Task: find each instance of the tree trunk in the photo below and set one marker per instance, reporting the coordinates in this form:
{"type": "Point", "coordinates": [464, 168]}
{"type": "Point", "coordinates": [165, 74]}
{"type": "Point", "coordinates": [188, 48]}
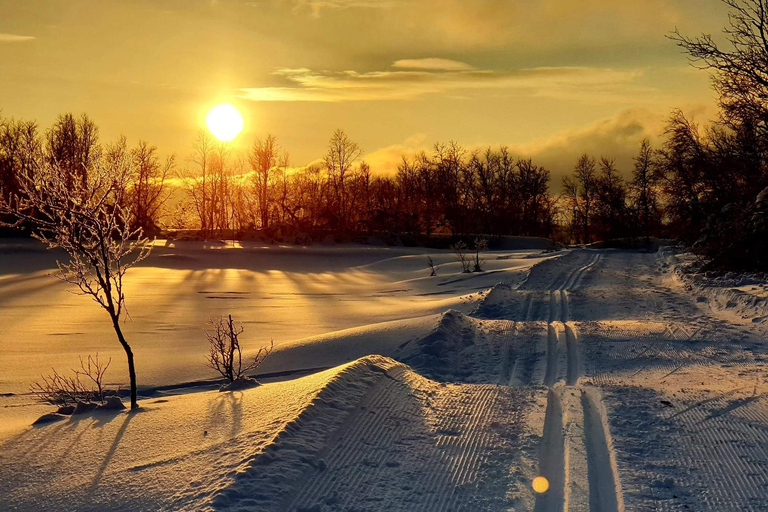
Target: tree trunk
{"type": "Point", "coordinates": [131, 367]}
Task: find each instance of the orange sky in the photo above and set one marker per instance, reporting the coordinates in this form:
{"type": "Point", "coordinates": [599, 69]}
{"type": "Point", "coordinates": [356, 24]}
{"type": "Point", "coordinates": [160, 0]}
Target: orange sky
{"type": "Point", "coordinates": [549, 78]}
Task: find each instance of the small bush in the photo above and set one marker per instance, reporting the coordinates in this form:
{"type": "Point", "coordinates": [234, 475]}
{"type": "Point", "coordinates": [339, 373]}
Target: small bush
{"type": "Point", "coordinates": [481, 244]}
{"type": "Point", "coordinates": [460, 251]}
{"type": "Point", "coordinates": [62, 390]}
{"type": "Point", "coordinates": [432, 267]}
{"type": "Point", "coordinates": [226, 356]}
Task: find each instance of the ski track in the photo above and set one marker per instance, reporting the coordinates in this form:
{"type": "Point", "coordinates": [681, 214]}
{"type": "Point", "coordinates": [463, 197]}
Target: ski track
{"type": "Point", "coordinates": [560, 440]}
{"type": "Point", "coordinates": [391, 430]}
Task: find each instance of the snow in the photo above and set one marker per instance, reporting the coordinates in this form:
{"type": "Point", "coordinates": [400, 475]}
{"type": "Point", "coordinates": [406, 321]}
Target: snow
{"type": "Point", "coordinates": [175, 452]}
{"type": "Point", "coordinates": [292, 295]}
{"type": "Point", "coordinates": [601, 370]}
{"type": "Point", "coordinates": [738, 298]}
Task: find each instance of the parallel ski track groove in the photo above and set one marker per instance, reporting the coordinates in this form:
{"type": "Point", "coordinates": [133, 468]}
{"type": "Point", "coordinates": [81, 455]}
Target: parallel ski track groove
{"type": "Point", "coordinates": [605, 489]}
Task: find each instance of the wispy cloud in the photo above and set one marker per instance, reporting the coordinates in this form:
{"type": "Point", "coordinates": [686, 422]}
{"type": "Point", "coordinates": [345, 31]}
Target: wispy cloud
{"type": "Point", "coordinates": [410, 81]}
{"type": "Point", "coordinates": [433, 64]}
{"type": "Point", "coordinates": [14, 38]}
{"type": "Point", "coordinates": [316, 7]}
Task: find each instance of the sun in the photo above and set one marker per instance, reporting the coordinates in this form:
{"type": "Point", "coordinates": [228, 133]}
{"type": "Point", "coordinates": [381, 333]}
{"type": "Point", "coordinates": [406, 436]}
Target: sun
{"type": "Point", "coordinates": [224, 121]}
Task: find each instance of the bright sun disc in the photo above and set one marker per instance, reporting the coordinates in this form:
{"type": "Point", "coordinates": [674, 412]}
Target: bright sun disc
{"type": "Point", "coordinates": [225, 122]}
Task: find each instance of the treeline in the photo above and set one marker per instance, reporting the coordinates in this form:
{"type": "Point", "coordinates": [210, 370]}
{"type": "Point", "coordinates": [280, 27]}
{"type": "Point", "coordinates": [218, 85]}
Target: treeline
{"type": "Point", "coordinates": [450, 191]}
{"type": "Point", "coordinates": [707, 187]}
{"type": "Point", "coordinates": [71, 149]}
{"type": "Point", "coordinates": [700, 186]}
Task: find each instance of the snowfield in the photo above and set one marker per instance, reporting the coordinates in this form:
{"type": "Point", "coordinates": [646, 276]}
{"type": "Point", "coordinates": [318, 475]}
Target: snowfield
{"type": "Point", "coordinates": [611, 373]}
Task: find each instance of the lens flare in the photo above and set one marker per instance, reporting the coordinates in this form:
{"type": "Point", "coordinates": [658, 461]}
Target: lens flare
{"type": "Point", "coordinates": [225, 122]}
{"type": "Point", "coordinates": [540, 484]}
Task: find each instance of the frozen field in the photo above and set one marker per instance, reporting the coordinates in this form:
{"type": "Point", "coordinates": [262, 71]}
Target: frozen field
{"type": "Point", "coordinates": [278, 293]}
{"type": "Point", "coordinates": [625, 385]}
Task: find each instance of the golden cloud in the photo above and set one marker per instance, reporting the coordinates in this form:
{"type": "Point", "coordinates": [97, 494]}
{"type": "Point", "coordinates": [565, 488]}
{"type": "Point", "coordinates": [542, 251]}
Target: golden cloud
{"type": "Point", "coordinates": [302, 84]}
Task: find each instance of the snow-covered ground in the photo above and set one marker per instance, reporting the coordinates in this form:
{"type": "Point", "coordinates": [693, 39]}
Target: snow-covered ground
{"type": "Point", "coordinates": [603, 371]}
{"type": "Point", "coordinates": [739, 298]}
{"type": "Point", "coordinates": [293, 295]}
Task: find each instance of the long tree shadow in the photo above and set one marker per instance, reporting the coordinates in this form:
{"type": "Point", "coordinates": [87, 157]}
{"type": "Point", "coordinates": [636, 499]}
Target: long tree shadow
{"type": "Point", "coordinates": [112, 449]}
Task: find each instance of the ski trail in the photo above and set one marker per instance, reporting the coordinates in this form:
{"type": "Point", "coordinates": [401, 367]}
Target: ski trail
{"type": "Point", "coordinates": [564, 306]}
{"type": "Point", "coordinates": [583, 441]}
{"type": "Point", "coordinates": [553, 463]}
{"type": "Point", "coordinates": [574, 361]}
{"type": "Point", "coordinates": [604, 488]}
{"type": "Point", "coordinates": [509, 360]}
{"type": "Point", "coordinates": [550, 377]}
{"type": "Point", "coordinates": [553, 299]}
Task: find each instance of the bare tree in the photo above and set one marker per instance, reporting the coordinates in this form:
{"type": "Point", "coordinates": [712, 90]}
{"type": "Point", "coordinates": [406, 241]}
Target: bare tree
{"type": "Point", "coordinates": [570, 195]}
{"type": "Point", "coordinates": [460, 251]}
{"type": "Point", "coordinates": [740, 70]}
{"type": "Point", "coordinates": [85, 219]}
{"type": "Point", "coordinates": [643, 186]}
{"type": "Point", "coordinates": [481, 244]}
{"type": "Point", "coordinates": [73, 146]}
{"type": "Point", "coordinates": [341, 154]}
{"type": "Point", "coordinates": [197, 181]}
{"type": "Point", "coordinates": [147, 192]}
{"type": "Point", "coordinates": [264, 159]}
{"type": "Point", "coordinates": [226, 355]}
{"type": "Point", "coordinates": [585, 176]}
{"type": "Point", "coordinates": [20, 149]}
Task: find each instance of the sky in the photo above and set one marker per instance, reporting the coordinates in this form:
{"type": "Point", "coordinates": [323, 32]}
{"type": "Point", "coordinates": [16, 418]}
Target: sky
{"type": "Point", "coordinates": [551, 79]}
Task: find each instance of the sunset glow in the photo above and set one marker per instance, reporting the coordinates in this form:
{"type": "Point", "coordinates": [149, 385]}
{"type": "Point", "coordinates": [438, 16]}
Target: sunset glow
{"type": "Point", "coordinates": [225, 122]}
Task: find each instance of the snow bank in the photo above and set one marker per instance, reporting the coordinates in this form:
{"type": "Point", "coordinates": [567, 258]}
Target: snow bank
{"type": "Point", "coordinates": [740, 297]}
{"type": "Point", "coordinates": [459, 349]}
{"type": "Point", "coordinates": [267, 480]}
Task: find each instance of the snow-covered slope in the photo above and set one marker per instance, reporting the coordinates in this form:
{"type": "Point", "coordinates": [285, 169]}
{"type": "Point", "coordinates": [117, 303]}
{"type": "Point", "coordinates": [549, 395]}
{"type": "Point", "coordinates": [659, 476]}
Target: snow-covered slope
{"type": "Point", "coordinates": [737, 297]}
{"type": "Point", "coordinates": [288, 294]}
{"type": "Point", "coordinates": [182, 452]}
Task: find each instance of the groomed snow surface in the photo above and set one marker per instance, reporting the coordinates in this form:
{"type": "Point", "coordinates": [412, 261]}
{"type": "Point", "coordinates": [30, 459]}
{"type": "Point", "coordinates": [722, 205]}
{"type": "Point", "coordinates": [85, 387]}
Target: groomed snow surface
{"type": "Point", "coordinates": [604, 371]}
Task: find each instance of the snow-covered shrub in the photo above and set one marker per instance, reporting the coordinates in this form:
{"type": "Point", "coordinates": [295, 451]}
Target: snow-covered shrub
{"type": "Point", "coordinates": [62, 390]}
{"type": "Point", "coordinates": [481, 244]}
{"type": "Point", "coordinates": [226, 355]}
{"type": "Point", "coordinates": [460, 250]}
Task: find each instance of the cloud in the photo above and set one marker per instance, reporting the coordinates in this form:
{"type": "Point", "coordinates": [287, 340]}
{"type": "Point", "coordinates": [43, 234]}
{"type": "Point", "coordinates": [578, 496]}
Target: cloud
{"type": "Point", "coordinates": [385, 160]}
{"type": "Point", "coordinates": [433, 64]}
{"type": "Point", "coordinates": [316, 7]}
{"type": "Point", "coordinates": [533, 24]}
{"type": "Point", "coordinates": [302, 84]}
{"type": "Point", "coordinates": [14, 38]}
{"type": "Point", "coordinates": [617, 137]}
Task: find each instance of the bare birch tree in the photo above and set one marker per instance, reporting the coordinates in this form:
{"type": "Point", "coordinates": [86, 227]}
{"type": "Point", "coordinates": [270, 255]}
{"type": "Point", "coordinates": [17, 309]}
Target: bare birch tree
{"type": "Point", "coordinates": [85, 219]}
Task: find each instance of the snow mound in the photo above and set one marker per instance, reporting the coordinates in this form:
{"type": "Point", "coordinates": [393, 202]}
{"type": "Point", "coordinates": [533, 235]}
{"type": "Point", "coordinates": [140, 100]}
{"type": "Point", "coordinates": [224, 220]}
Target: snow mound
{"type": "Point", "coordinates": [266, 481]}
{"type": "Point", "coordinates": [457, 350]}
{"type": "Point", "coordinates": [496, 301]}
{"type": "Point", "coordinates": [504, 301]}
{"type": "Point", "coordinates": [740, 297]}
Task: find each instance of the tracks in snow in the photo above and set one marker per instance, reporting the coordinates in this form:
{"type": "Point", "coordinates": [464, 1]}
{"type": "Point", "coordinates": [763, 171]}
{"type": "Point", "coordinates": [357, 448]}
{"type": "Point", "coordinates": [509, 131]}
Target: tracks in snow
{"type": "Point", "coordinates": [416, 445]}
{"type": "Point", "coordinates": [574, 428]}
